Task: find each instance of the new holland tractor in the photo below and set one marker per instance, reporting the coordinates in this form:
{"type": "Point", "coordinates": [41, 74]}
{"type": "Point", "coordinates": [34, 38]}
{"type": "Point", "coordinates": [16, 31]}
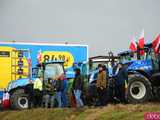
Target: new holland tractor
{"type": "Point", "coordinates": [16, 88]}
{"type": "Point", "coordinates": [143, 75]}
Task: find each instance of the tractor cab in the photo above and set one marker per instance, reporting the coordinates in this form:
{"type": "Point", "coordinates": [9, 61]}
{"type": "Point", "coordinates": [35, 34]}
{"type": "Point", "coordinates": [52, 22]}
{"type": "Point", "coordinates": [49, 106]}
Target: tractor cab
{"type": "Point", "coordinates": [108, 61]}
{"type": "Point", "coordinates": [140, 54]}
{"type": "Point", "coordinates": [142, 60]}
{"type": "Point", "coordinates": [127, 56]}
{"type": "Point", "coordinates": [48, 70]}
{"type": "Point", "coordinates": [17, 88]}
{"type": "Point", "coordinates": [146, 62]}
{"type": "Point", "coordinates": [155, 73]}
{"type": "Point", "coordinates": [149, 54]}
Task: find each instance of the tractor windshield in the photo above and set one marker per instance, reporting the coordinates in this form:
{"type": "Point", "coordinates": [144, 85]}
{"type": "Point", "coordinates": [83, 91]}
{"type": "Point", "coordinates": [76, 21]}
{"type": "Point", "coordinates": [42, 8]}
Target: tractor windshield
{"type": "Point", "coordinates": [127, 56]}
{"type": "Point", "coordinates": [53, 70]}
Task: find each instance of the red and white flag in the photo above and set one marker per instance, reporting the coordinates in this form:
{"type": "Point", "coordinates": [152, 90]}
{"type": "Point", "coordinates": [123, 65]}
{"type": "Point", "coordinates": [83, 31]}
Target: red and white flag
{"type": "Point", "coordinates": [156, 44]}
{"type": "Point", "coordinates": [133, 46]}
{"type": "Point", "coordinates": [141, 40]}
{"type": "Point", "coordinates": [39, 56]}
{"type": "Point", "coordinates": [6, 100]}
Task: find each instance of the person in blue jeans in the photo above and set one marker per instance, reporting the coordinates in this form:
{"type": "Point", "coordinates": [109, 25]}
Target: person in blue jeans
{"type": "Point", "coordinates": [78, 87]}
{"type": "Point", "coordinates": [64, 93]}
{"type": "Point", "coordinates": [59, 88]}
{"type": "Point", "coordinates": [58, 98]}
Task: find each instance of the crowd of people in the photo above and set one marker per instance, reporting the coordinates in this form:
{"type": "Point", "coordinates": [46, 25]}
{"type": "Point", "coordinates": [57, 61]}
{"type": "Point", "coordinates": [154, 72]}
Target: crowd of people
{"type": "Point", "coordinates": [54, 93]}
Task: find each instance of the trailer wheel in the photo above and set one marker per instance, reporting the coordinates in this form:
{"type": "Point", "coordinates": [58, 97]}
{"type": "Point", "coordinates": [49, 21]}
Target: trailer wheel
{"type": "Point", "coordinates": [19, 100]}
{"type": "Point", "coordinates": [139, 89]}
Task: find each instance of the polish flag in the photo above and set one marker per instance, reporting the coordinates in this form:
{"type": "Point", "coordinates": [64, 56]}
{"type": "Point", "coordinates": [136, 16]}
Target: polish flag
{"type": "Point", "coordinates": [141, 40]}
{"type": "Point", "coordinates": [39, 56]}
{"type": "Point", "coordinates": [141, 43]}
{"type": "Point", "coordinates": [133, 46]}
{"type": "Point", "coordinates": [156, 43]}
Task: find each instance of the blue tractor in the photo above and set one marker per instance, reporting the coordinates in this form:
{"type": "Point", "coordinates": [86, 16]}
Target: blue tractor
{"type": "Point", "coordinates": [143, 75]}
{"type": "Point", "coordinates": [18, 96]}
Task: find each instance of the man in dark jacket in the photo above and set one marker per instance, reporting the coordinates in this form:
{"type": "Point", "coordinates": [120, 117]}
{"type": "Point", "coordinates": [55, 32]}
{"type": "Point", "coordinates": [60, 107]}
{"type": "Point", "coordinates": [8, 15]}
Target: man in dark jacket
{"type": "Point", "coordinates": [121, 77]}
{"type": "Point", "coordinates": [78, 87]}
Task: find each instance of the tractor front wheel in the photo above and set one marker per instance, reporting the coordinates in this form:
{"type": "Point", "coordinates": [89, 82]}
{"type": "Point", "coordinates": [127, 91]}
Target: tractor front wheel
{"type": "Point", "coordinates": [19, 100]}
{"type": "Point", "coordinates": [139, 89]}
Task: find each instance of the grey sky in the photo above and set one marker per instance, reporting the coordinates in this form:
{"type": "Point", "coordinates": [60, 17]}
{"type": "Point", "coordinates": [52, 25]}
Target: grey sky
{"type": "Point", "coordinates": [102, 24]}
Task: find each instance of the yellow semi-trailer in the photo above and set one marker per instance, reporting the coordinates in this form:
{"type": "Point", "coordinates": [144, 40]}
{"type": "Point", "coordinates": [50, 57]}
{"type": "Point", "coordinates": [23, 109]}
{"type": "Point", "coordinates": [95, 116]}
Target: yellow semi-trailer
{"type": "Point", "coordinates": [9, 66]}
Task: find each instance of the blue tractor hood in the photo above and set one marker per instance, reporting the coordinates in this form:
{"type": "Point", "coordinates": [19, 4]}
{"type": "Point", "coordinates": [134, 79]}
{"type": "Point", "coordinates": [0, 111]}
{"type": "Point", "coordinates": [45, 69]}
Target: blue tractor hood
{"type": "Point", "coordinates": [145, 65]}
{"type": "Point", "coordinates": [18, 83]}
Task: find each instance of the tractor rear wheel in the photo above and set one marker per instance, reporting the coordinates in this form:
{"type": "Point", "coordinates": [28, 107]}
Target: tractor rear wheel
{"type": "Point", "coordinates": [139, 89]}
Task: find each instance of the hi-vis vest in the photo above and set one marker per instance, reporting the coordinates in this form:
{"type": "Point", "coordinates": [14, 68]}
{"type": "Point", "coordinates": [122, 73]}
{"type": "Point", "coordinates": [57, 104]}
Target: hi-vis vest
{"type": "Point", "coordinates": [38, 84]}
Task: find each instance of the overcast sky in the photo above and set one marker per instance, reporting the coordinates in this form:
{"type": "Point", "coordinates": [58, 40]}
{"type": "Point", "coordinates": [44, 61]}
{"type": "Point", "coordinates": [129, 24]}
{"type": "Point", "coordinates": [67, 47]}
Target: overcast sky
{"type": "Point", "coordinates": [102, 24]}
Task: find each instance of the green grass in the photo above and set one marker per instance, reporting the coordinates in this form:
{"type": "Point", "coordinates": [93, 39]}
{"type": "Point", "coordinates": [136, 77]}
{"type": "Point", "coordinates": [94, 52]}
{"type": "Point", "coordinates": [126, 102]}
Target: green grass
{"type": "Point", "coordinates": [110, 112]}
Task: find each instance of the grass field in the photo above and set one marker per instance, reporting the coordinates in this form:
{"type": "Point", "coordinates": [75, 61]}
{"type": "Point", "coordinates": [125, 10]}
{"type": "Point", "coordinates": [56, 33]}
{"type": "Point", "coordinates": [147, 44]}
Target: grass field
{"type": "Point", "coordinates": [110, 112]}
